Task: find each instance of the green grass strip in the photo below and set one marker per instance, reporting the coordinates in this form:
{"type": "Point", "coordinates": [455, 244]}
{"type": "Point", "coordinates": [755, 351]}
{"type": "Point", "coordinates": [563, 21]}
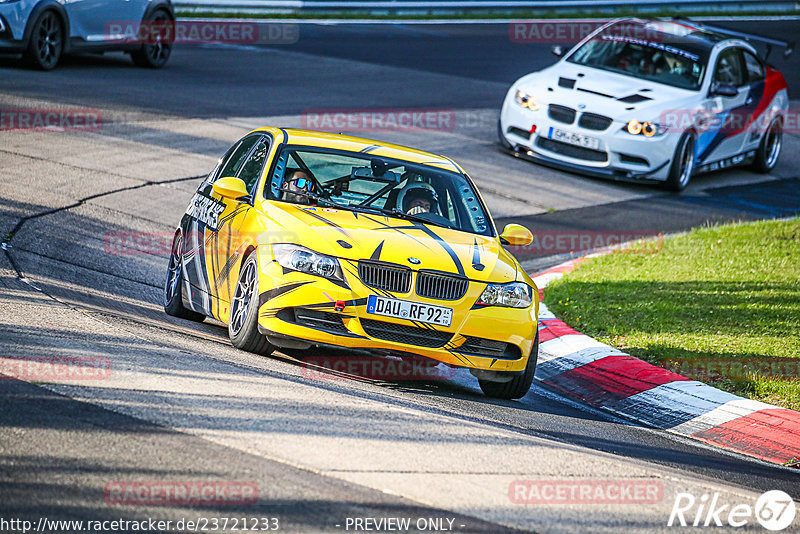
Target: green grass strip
{"type": "Point", "coordinates": [720, 304]}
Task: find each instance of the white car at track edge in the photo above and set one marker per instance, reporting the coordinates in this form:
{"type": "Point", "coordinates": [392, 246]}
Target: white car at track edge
{"type": "Point", "coordinates": [651, 101]}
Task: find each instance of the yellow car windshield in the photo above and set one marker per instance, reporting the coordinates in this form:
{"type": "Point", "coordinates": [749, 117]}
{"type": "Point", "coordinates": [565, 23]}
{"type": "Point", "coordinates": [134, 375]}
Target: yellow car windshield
{"type": "Point", "coordinates": [360, 182]}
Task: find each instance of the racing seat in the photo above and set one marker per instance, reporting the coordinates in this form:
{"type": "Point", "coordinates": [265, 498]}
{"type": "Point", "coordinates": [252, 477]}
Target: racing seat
{"type": "Point", "coordinates": [391, 200]}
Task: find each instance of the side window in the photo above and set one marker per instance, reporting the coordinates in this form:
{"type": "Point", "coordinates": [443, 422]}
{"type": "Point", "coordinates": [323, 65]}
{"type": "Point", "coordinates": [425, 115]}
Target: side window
{"type": "Point", "coordinates": [755, 70]}
{"type": "Point", "coordinates": [251, 170]}
{"type": "Point", "coordinates": [213, 175]}
{"type": "Point", "coordinates": [237, 159]}
{"type": "Point", "coordinates": [729, 68]}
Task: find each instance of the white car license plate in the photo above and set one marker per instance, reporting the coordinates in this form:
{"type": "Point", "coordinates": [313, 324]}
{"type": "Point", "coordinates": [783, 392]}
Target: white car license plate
{"type": "Point", "coordinates": [413, 311]}
{"type": "Point", "coordinates": [574, 138]}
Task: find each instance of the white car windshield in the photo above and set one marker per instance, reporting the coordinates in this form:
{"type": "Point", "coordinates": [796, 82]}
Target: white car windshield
{"type": "Point", "coordinates": [359, 182]}
{"type": "Point", "coordinates": [646, 59]}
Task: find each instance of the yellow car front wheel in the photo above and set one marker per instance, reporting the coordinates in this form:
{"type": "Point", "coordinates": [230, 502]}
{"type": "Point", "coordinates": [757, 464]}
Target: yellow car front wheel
{"type": "Point", "coordinates": [517, 387]}
{"type": "Point", "coordinates": [243, 323]}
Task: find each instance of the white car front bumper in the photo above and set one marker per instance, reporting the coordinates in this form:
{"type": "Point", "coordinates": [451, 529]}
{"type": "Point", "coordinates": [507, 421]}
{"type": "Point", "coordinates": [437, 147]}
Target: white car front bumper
{"type": "Point", "coordinates": [619, 156]}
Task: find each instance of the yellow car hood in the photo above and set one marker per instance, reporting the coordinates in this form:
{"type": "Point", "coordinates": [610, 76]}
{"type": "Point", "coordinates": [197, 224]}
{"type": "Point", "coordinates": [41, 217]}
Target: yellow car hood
{"type": "Point", "coordinates": [354, 236]}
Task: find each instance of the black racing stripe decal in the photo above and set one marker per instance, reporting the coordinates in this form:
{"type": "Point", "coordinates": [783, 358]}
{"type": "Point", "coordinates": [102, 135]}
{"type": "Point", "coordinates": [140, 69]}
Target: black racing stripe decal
{"type": "Point", "coordinates": [382, 292]}
{"type": "Point", "coordinates": [203, 282]}
{"type": "Point", "coordinates": [456, 341]}
{"type": "Point", "coordinates": [240, 208]}
{"type": "Point", "coordinates": [398, 229]}
{"type": "Point", "coordinates": [326, 221]}
{"type": "Point", "coordinates": [341, 283]}
{"type": "Point", "coordinates": [354, 273]}
{"type": "Point", "coordinates": [476, 257]}
{"type": "Point", "coordinates": [376, 254]}
{"type": "Point", "coordinates": [213, 240]}
{"type": "Point", "coordinates": [368, 149]}
{"type": "Point", "coordinates": [461, 358]}
{"type": "Point", "coordinates": [225, 272]}
{"type": "Point", "coordinates": [277, 291]}
{"type": "Point", "coordinates": [412, 225]}
{"type": "Point", "coordinates": [442, 243]}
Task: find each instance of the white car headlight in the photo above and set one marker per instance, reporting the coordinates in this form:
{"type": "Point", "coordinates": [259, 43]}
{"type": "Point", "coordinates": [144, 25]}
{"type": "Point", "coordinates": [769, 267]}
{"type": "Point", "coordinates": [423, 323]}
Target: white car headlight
{"type": "Point", "coordinates": [526, 101]}
{"type": "Point", "coordinates": [512, 295]}
{"type": "Point", "coordinates": [647, 129]}
{"type": "Point", "coordinates": [301, 259]}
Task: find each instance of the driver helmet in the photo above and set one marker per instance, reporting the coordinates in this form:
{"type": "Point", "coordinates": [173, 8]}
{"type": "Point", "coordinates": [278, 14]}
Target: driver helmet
{"type": "Point", "coordinates": [415, 190]}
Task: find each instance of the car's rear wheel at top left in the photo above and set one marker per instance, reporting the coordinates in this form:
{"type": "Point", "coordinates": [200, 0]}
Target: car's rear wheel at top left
{"type": "Point", "coordinates": [159, 36]}
{"type": "Point", "coordinates": [46, 42]}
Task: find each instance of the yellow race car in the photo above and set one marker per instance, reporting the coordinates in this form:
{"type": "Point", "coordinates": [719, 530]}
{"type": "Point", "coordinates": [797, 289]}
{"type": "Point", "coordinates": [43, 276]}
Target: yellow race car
{"type": "Point", "coordinates": [301, 238]}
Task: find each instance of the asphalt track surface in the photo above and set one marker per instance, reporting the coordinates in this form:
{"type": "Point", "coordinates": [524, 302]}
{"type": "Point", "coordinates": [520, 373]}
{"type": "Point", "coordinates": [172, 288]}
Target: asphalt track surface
{"type": "Point", "coordinates": [59, 445]}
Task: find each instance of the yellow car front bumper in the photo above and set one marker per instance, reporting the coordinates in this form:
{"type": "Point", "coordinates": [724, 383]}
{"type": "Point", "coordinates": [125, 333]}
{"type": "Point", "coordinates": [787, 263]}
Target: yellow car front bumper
{"type": "Point", "coordinates": [309, 308]}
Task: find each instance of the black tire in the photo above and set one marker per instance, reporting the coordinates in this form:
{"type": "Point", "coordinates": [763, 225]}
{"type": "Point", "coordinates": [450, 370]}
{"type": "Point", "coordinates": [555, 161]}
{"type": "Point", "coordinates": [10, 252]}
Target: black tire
{"type": "Point", "coordinates": [243, 321]}
{"type": "Point", "coordinates": [154, 55]}
{"type": "Point", "coordinates": [46, 41]}
{"type": "Point", "coordinates": [770, 148]}
{"type": "Point", "coordinates": [173, 287]}
{"type": "Point", "coordinates": [517, 387]}
{"type": "Point", "coordinates": [502, 138]}
{"type": "Point", "coordinates": [680, 172]}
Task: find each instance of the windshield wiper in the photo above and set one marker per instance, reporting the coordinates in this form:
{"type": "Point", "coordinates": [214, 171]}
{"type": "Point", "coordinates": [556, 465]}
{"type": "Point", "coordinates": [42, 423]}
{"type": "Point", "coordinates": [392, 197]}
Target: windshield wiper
{"type": "Point", "coordinates": [400, 214]}
{"type": "Point", "coordinates": [394, 212]}
{"type": "Point", "coordinates": [334, 204]}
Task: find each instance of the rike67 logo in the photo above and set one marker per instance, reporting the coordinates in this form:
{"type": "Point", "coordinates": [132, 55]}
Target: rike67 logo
{"type": "Point", "coordinates": [774, 510]}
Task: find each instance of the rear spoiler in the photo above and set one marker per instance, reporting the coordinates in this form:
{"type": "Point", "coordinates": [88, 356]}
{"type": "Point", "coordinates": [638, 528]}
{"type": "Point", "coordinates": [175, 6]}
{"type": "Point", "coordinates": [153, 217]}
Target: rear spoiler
{"type": "Point", "coordinates": [788, 47]}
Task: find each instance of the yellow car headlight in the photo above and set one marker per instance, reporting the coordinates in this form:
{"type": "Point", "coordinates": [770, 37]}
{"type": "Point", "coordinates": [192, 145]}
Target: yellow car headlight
{"type": "Point", "coordinates": [513, 295]}
{"type": "Point", "coordinates": [526, 101]}
{"type": "Point", "coordinates": [307, 261]}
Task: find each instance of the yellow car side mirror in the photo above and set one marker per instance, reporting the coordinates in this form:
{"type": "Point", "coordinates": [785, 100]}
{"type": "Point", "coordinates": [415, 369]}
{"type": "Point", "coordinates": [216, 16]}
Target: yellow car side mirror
{"type": "Point", "coordinates": [516, 236]}
{"type": "Point", "coordinates": [230, 187]}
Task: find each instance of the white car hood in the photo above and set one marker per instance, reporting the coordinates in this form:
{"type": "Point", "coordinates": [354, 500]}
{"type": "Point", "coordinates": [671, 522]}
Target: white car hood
{"type": "Point", "coordinates": [606, 93]}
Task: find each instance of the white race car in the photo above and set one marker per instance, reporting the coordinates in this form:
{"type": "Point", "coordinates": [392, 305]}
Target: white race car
{"type": "Point", "coordinates": [651, 101]}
